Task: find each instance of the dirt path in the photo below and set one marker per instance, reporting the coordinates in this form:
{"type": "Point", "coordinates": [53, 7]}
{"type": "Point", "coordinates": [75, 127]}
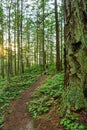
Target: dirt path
{"type": "Point", "coordinates": [19, 117]}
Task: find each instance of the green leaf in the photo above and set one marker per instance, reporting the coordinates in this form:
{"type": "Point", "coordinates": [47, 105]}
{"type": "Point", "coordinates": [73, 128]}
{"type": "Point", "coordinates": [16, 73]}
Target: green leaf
{"type": "Point", "coordinates": [81, 127]}
{"type": "Point", "coordinates": [1, 120]}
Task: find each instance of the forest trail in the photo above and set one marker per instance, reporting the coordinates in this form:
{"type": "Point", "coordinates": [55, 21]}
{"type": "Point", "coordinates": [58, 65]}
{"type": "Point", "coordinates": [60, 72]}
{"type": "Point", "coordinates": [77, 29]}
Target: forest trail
{"type": "Point", "coordinates": [19, 117]}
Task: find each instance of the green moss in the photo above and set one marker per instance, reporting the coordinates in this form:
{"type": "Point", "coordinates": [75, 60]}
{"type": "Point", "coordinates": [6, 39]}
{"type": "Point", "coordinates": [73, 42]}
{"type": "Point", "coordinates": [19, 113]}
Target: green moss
{"type": "Point", "coordinates": [73, 97]}
{"type": "Point", "coordinates": [83, 62]}
{"type": "Point", "coordinates": [79, 28]}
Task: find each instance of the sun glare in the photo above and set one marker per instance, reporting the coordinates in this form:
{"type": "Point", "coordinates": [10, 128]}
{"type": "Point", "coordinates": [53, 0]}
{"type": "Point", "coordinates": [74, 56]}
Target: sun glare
{"type": "Point", "coordinates": [3, 52]}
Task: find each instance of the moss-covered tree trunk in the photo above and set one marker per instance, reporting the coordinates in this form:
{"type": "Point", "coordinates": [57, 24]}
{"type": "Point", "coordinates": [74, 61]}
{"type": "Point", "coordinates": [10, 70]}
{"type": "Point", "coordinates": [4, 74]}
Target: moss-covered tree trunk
{"type": "Point", "coordinates": [76, 51]}
{"type": "Point", "coordinates": [58, 61]}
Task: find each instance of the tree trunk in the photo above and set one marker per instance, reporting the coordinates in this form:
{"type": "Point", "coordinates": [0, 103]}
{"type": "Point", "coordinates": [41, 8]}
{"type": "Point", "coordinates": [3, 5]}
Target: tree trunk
{"type": "Point", "coordinates": [21, 40]}
{"type": "Point", "coordinates": [61, 44]}
{"type": "Point", "coordinates": [76, 51]}
{"type": "Point", "coordinates": [37, 30]}
{"type": "Point", "coordinates": [58, 62]}
{"type": "Point", "coordinates": [2, 42]}
{"type": "Point", "coordinates": [18, 35]}
{"type": "Point", "coordinates": [28, 44]}
{"type": "Point", "coordinates": [15, 29]}
{"type": "Point", "coordinates": [9, 46]}
{"type": "Point", "coordinates": [44, 59]}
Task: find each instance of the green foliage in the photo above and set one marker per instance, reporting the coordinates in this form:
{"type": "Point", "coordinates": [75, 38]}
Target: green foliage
{"type": "Point", "coordinates": [70, 122]}
{"type": "Point", "coordinates": [45, 96]}
{"type": "Point", "coordinates": [13, 88]}
{"type": "Point", "coordinates": [39, 69]}
{"type": "Point", "coordinates": [35, 69]}
{"type": "Point", "coordinates": [51, 69]}
{"type": "Point", "coordinates": [1, 121]}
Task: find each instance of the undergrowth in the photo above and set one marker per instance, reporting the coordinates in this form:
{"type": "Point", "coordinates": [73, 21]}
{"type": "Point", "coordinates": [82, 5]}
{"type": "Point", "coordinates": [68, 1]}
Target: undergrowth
{"type": "Point", "coordinates": [12, 89]}
{"type": "Point", "coordinates": [72, 100]}
{"type": "Point", "coordinates": [9, 90]}
{"type": "Point", "coordinates": [68, 121]}
{"type": "Point", "coordinates": [46, 95]}
{"type": "Point", "coordinates": [71, 122]}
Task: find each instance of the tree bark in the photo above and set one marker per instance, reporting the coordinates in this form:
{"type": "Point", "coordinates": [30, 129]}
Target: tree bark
{"type": "Point", "coordinates": [76, 48]}
{"type": "Point", "coordinates": [10, 71]}
{"type": "Point", "coordinates": [2, 42]}
{"type": "Point", "coordinates": [58, 61]}
{"type": "Point", "coordinates": [21, 40]}
{"type": "Point", "coordinates": [18, 35]}
{"type": "Point", "coordinates": [44, 59]}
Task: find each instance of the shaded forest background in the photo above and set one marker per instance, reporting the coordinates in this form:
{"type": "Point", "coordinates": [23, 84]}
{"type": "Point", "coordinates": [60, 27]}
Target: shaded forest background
{"type": "Point", "coordinates": [32, 33]}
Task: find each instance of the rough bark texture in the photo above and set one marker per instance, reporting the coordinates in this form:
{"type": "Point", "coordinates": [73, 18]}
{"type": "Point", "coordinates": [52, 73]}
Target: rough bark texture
{"type": "Point", "coordinates": [76, 46]}
{"type": "Point", "coordinates": [76, 42]}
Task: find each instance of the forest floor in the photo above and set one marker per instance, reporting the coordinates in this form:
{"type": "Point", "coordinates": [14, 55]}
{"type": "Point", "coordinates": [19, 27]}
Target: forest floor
{"type": "Point", "coordinates": [18, 117]}
{"type": "Point", "coordinates": [50, 120]}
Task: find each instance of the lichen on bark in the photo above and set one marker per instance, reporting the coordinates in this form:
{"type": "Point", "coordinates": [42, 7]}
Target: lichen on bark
{"type": "Point", "coordinates": [76, 52]}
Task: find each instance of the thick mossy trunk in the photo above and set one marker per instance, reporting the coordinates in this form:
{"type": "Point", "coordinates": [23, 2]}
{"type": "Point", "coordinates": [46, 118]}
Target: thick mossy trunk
{"type": "Point", "coordinates": [76, 51]}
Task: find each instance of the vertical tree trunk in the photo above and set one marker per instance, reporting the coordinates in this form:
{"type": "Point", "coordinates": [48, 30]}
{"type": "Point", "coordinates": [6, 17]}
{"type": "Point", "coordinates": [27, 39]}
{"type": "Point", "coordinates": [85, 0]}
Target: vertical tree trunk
{"type": "Point", "coordinates": [28, 43]}
{"type": "Point", "coordinates": [58, 62]}
{"type": "Point", "coordinates": [61, 44]}
{"type": "Point", "coordinates": [9, 46]}
{"type": "Point", "coordinates": [18, 34]}
{"type": "Point", "coordinates": [15, 52]}
{"type": "Point", "coordinates": [15, 29]}
{"type": "Point", "coordinates": [44, 59]}
{"type": "Point", "coordinates": [37, 36]}
{"type": "Point", "coordinates": [51, 48]}
{"type": "Point", "coordinates": [21, 50]}
{"type": "Point", "coordinates": [76, 50]}
{"type": "Point", "coordinates": [2, 42]}
{"type": "Point", "coordinates": [37, 33]}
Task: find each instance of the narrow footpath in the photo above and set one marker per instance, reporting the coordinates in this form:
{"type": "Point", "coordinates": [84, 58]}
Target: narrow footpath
{"type": "Point", "coordinates": [19, 117]}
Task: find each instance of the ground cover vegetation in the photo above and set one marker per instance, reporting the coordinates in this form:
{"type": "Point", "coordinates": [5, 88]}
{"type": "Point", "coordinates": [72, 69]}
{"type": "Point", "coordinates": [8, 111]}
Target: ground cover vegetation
{"type": "Point", "coordinates": [46, 95]}
{"type": "Point", "coordinates": [51, 93]}
{"type": "Point", "coordinates": [10, 90]}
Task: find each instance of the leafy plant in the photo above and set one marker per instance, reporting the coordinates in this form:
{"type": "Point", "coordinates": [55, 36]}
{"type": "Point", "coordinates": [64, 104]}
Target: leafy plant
{"type": "Point", "coordinates": [51, 69]}
{"type": "Point", "coordinates": [45, 96]}
{"type": "Point", "coordinates": [71, 123]}
{"type": "Point", "coordinates": [1, 121]}
{"type": "Point", "coordinates": [13, 89]}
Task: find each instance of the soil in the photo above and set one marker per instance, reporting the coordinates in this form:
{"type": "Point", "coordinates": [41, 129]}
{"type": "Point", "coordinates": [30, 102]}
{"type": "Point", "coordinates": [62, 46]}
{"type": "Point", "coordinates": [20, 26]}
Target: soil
{"type": "Point", "coordinates": [49, 121]}
{"type": "Point", "coordinates": [83, 116]}
{"type": "Point", "coordinates": [18, 117]}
